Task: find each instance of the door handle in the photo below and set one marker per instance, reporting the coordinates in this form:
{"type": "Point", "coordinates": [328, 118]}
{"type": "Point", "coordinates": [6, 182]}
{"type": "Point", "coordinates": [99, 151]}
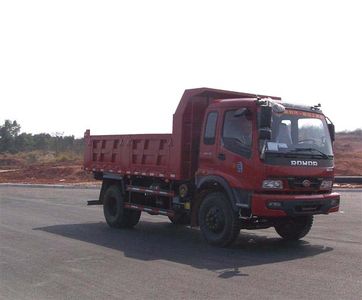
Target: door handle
{"type": "Point", "coordinates": [221, 156]}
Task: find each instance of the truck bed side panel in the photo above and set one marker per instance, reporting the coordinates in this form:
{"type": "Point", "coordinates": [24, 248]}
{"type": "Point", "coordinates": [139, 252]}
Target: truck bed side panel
{"type": "Point", "coordinates": [146, 154]}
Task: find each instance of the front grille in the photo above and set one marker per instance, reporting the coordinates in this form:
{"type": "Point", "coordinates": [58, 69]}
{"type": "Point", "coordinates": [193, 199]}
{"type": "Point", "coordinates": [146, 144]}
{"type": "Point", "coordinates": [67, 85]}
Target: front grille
{"type": "Point", "coordinates": [298, 183]}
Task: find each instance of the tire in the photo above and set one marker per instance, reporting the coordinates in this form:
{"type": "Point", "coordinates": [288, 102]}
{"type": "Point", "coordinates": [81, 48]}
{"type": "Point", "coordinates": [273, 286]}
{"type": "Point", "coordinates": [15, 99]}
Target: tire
{"type": "Point", "coordinates": [293, 229]}
{"type": "Point", "coordinates": [180, 219]}
{"type": "Point", "coordinates": [133, 217]}
{"type": "Point", "coordinates": [115, 214]}
{"type": "Point", "coordinates": [218, 222]}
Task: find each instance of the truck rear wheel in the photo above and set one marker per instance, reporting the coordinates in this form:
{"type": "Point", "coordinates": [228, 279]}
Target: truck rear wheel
{"type": "Point", "coordinates": [115, 214]}
{"type": "Point", "coordinates": [294, 228]}
{"type": "Point", "coordinates": [218, 222]}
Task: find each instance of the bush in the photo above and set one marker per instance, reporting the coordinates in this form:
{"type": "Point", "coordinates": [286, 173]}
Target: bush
{"type": "Point", "coordinates": [31, 158]}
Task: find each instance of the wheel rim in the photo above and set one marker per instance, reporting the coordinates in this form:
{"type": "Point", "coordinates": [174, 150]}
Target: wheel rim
{"type": "Point", "coordinates": [112, 206]}
{"type": "Point", "coordinates": [215, 220]}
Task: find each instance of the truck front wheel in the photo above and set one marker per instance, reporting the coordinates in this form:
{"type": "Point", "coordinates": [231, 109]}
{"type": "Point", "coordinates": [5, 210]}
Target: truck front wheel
{"type": "Point", "coordinates": [294, 228]}
{"type": "Point", "coordinates": [114, 212]}
{"type": "Point", "coordinates": [218, 222]}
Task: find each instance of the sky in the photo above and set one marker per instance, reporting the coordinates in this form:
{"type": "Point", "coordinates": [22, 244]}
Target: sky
{"type": "Point", "coordinates": [122, 66]}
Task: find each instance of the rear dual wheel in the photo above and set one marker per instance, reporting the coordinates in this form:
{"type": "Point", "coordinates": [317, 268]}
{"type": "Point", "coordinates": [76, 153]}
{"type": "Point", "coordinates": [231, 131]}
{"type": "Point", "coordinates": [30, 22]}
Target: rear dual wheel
{"type": "Point", "coordinates": [114, 212]}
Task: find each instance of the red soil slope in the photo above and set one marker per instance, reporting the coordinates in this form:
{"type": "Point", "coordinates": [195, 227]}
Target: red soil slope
{"type": "Point", "coordinates": [348, 154]}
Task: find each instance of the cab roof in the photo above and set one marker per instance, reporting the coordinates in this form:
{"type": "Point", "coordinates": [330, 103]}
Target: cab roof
{"type": "Point", "coordinates": [249, 101]}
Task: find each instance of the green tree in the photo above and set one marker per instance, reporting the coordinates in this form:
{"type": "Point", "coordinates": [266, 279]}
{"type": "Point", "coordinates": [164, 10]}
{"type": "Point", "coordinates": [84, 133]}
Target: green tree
{"type": "Point", "coordinates": [8, 133]}
{"type": "Point", "coordinates": [12, 141]}
{"type": "Point", "coordinates": [24, 142]}
{"type": "Point", "coordinates": [42, 141]}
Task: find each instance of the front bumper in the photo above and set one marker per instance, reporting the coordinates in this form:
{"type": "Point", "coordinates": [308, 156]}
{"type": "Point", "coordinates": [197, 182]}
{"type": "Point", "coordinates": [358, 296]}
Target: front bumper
{"type": "Point", "coordinates": [294, 205]}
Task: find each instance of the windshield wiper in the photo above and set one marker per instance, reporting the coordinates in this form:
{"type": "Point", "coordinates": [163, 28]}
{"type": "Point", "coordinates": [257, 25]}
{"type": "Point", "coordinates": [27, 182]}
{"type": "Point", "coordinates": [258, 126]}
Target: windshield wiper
{"type": "Point", "coordinates": [309, 149]}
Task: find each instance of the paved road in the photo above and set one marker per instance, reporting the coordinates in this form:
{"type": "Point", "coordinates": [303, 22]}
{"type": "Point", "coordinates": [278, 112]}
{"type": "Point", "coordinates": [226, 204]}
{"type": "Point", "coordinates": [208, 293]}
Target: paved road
{"type": "Point", "coordinates": [55, 247]}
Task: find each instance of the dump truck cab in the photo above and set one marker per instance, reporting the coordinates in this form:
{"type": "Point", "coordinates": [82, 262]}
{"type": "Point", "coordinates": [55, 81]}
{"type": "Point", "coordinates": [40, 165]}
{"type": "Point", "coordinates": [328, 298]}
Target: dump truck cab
{"type": "Point", "coordinates": [276, 158]}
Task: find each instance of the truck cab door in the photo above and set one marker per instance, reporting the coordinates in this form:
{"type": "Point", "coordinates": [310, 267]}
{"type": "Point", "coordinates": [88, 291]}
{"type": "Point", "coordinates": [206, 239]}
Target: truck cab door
{"type": "Point", "coordinates": [208, 144]}
{"type": "Point", "coordinates": [234, 150]}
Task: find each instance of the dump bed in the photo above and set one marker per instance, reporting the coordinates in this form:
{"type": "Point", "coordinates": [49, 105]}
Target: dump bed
{"type": "Point", "coordinates": [141, 154]}
{"type": "Point", "coordinates": [173, 156]}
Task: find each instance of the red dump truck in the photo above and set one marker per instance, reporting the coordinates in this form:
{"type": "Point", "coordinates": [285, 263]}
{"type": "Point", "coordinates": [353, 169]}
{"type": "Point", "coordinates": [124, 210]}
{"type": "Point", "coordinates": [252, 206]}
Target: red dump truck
{"type": "Point", "coordinates": [233, 161]}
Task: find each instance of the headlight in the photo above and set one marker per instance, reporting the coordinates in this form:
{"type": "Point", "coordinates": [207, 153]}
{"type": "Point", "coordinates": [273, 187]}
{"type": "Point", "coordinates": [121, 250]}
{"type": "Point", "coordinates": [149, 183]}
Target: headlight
{"type": "Point", "coordinates": [272, 184]}
{"type": "Point", "coordinates": [326, 184]}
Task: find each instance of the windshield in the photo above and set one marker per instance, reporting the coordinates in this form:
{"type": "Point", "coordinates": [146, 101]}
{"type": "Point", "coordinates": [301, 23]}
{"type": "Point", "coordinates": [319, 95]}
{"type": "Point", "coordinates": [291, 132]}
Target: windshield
{"type": "Point", "coordinates": [301, 133]}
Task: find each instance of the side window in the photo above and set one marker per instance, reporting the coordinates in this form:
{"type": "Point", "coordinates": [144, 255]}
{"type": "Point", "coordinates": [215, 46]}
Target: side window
{"type": "Point", "coordinates": [210, 129]}
{"type": "Point", "coordinates": [284, 133]}
{"type": "Point", "coordinates": [237, 133]}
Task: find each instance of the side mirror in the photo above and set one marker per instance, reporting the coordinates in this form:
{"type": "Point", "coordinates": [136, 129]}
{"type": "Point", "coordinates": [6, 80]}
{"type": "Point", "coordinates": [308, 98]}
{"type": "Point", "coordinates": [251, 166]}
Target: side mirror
{"type": "Point", "coordinates": [265, 134]}
{"type": "Point", "coordinates": [332, 132]}
{"type": "Point", "coordinates": [265, 117]}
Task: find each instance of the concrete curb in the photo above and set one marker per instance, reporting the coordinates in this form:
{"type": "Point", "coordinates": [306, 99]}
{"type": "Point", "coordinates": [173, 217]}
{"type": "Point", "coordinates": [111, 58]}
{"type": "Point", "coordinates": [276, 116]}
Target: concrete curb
{"type": "Point", "coordinates": [348, 179]}
{"type": "Point", "coordinates": [350, 190]}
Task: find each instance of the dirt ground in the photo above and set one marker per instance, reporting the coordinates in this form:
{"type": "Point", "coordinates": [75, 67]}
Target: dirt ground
{"type": "Point", "coordinates": [46, 168]}
{"type": "Point", "coordinates": [45, 173]}
{"type": "Point", "coordinates": [348, 155]}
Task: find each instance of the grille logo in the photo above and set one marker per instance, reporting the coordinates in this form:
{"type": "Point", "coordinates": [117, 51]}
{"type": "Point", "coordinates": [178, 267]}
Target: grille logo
{"type": "Point", "coordinates": [304, 163]}
{"type": "Point", "coordinates": [306, 183]}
